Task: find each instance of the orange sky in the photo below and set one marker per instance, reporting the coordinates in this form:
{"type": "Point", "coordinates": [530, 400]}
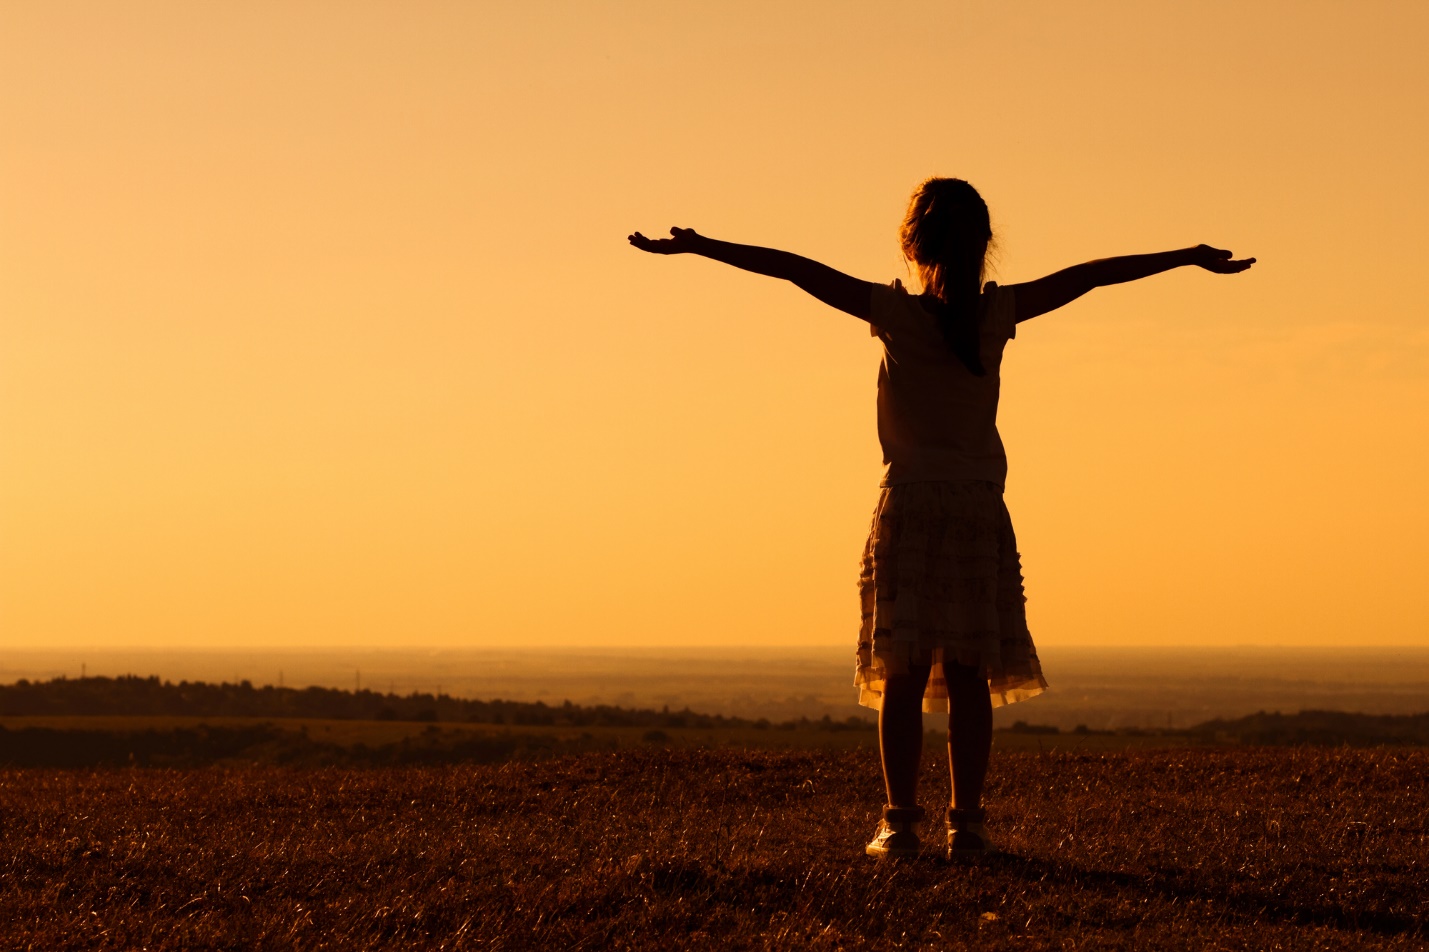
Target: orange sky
{"type": "Point", "coordinates": [318, 325]}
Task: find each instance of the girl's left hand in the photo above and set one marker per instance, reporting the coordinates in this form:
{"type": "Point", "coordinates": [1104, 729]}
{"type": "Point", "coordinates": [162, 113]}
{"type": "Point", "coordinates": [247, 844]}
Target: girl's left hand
{"type": "Point", "coordinates": [681, 241]}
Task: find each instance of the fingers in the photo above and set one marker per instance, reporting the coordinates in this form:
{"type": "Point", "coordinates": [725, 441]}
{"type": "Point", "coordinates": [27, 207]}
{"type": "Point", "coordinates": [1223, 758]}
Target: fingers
{"type": "Point", "coordinates": [1220, 261]}
{"type": "Point", "coordinates": [661, 246]}
{"type": "Point", "coordinates": [677, 242]}
{"type": "Point", "coordinates": [645, 244]}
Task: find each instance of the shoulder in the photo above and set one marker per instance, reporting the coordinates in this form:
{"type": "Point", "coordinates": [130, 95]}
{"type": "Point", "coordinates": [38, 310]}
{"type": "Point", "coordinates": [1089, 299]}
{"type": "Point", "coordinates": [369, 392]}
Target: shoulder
{"type": "Point", "coordinates": [999, 307]}
{"type": "Point", "coordinates": [893, 293]}
{"type": "Point", "coordinates": [892, 308]}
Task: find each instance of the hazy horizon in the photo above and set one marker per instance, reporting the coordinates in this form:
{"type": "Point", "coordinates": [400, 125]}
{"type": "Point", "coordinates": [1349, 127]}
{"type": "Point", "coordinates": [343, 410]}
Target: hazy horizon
{"type": "Point", "coordinates": [1107, 687]}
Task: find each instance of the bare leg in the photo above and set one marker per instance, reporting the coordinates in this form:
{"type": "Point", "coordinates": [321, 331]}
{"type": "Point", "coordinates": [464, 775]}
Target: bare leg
{"type": "Point", "coordinates": [900, 734]}
{"type": "Point", "coordinates": [969, 733]}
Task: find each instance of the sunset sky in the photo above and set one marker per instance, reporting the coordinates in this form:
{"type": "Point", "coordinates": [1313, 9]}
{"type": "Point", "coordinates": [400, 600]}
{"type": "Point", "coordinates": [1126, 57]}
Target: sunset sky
{"type": "Point", "coordinates": [318, 325]}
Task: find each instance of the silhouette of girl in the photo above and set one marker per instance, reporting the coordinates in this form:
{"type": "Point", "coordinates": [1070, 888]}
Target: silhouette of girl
{"type": "Point", "coordinates": [944, 625]}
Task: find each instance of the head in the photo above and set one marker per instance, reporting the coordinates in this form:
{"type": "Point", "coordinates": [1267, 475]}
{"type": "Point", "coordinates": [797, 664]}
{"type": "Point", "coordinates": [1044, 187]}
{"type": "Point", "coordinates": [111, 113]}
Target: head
{"type": "Point", "coordinates": [947, 234]}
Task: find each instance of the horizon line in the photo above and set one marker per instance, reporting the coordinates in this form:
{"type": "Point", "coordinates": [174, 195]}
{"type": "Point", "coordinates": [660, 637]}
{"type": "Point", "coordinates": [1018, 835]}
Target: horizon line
{"type": "Point", "coordinates": [663, 648]}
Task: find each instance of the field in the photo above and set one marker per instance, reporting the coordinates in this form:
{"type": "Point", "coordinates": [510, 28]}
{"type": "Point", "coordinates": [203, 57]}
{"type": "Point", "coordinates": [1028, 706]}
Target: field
{"type": "Point", "coordinates": [655, 848]}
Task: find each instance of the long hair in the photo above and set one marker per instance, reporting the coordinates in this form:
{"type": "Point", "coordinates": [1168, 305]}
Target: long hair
{"type": "Point", "coordinates": [946, 234]}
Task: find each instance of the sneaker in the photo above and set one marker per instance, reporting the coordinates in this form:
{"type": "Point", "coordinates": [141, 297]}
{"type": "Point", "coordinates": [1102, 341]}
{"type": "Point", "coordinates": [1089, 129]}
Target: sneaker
{"type": "Point", "coordinates": [894, 836]}
{"type": "Point", "coordinates": [967, 835]}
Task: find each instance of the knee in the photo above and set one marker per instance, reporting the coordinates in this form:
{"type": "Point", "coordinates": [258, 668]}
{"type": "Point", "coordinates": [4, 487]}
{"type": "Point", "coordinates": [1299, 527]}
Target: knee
{"type": "Point", "coordinates": [967, 693]}
{"type": "Point", "coordinates": [905, 686]}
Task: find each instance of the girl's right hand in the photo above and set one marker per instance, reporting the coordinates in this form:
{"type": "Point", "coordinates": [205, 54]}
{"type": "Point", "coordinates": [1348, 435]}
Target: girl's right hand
{"type": "Point", "coordinates": [681, 241]}
{"type": "Point", "coordinates": [1218, 260]}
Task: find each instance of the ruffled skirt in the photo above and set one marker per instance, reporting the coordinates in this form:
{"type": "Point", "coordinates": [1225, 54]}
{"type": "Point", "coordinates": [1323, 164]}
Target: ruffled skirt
{"type": "Point", "coordinates": [941, 579]}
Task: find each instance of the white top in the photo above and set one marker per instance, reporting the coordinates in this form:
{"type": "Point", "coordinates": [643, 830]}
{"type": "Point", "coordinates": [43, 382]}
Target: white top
{"type": "Point", "coordinates": [936, 420]}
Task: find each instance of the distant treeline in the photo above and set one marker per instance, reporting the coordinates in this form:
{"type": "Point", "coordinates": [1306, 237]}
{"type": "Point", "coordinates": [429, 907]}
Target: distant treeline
{"type": "Point", "coordinates": [134, 696]}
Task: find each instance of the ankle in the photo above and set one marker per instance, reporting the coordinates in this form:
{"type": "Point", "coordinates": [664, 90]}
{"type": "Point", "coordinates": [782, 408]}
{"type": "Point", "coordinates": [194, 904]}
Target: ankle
{"type": "Point", "coordinates": [966, 815]}
{"type": "Point", "coordinates": [903, 815]}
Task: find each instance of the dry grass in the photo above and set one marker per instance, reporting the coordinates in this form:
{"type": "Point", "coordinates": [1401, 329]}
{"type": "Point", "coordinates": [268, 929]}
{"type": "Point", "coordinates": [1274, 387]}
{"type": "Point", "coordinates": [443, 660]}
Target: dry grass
{"type": "Point", "coordinates": [1170, 849]}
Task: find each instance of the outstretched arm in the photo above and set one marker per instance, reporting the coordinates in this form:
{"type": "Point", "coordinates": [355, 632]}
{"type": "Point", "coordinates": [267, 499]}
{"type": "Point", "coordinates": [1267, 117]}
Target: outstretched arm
{"type": "Point", "coordinates": [1049, 293]}
{"type": "Point", "coordinates": [834, 288]}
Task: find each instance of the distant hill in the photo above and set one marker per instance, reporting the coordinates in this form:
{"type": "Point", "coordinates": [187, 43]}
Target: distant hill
{"type": "Point", "coordinates": [279, 730]}
{"type": "Point", "coordinates": [131, 696]}
{"type": "Point", "coordinates": [1320, 728]}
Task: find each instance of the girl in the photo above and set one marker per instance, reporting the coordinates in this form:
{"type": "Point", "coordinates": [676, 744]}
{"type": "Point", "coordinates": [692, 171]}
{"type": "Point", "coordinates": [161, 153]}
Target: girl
{"type": "Point", "coordinates": [944, 625]}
